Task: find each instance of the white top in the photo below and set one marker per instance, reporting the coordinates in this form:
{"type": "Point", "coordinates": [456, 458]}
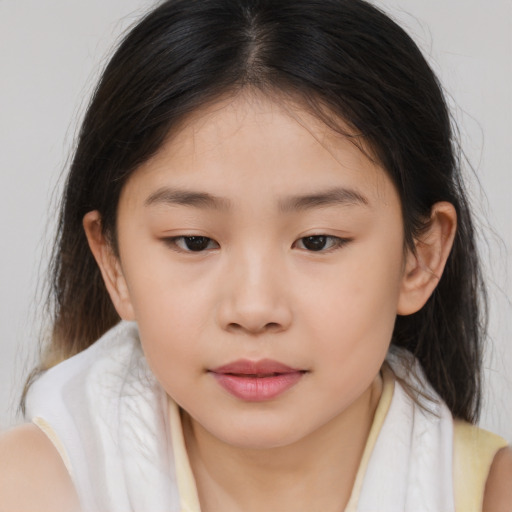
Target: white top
{"type": "Point", "coordinates": [121, 438]}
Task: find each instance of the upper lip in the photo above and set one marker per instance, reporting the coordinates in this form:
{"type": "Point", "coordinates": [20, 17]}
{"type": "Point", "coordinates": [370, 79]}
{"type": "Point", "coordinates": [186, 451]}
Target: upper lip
{"type": "Point", "coordinates": [261, 367]}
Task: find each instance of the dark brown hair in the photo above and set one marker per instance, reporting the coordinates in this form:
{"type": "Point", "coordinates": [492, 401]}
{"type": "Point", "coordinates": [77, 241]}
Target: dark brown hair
{"type": "Point", "coordinates": [345, 60]}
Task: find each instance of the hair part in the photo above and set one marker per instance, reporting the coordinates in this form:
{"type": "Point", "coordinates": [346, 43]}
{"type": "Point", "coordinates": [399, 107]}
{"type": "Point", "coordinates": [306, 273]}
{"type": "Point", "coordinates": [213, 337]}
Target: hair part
{"type": "Point", "coordinates": [348, 64]}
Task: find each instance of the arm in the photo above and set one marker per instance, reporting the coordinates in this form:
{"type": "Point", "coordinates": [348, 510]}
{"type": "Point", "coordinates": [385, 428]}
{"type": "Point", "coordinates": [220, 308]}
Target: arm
{"type": "Point", "coordinates": [32, 474]}
{"type": "Point", "coordinates": [498, 489]}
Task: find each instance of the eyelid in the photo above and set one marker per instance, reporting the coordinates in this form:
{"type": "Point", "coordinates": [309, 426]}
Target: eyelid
{"type": "Point", "coordinates": [171, 242]}
{"type": "Point", "coordinates": [338, 243]}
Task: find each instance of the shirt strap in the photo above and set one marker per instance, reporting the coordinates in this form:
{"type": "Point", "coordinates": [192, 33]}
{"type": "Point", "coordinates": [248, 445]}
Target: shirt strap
{"type": "Point", "coordinates": [388, 381]}
{"type": "Point", "coordinates": [474, 451]}
{"type": "Point", "coordinates": [189, 499]}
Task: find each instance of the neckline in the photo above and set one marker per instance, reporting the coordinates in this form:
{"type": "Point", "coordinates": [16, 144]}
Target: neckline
{"type": "Point", "coordinates": [388, 387]}
{"type": "Point", "coordinates": [189, 499]}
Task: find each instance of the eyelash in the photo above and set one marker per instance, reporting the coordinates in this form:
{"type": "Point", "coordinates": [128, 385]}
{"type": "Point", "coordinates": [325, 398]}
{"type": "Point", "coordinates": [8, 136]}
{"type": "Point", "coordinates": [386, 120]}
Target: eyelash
{"type": "Point", "coordinates": [173, 243]}
{"type": "Point", "coordinates": [336, 242]}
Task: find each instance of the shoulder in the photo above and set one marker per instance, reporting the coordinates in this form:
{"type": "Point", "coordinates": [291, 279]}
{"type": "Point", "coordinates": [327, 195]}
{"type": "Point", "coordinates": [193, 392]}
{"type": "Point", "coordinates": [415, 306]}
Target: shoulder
{"type": "Point", "coordinates": [498, 489]}
{"type": "Point", "coordinates": [481, 469]}
{"type": "Point", "coordinates": [32, 473]}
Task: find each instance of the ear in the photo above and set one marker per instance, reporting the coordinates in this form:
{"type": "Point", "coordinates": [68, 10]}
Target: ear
{"type": "Point", "coordinates": [424, 267]}
{"type": "Point", "coordinates": [110, 265]}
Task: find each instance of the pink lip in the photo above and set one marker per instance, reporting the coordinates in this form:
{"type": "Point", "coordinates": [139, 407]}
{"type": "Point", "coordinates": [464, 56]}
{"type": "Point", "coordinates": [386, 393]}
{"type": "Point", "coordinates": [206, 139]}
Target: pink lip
{"type": "Point", "coordinates": [256, 381]}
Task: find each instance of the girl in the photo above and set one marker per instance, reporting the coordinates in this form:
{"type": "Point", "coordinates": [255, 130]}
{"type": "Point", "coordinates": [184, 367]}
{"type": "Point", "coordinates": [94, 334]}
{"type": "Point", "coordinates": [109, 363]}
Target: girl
{"type": "Point", "coordinates": [267, 293]}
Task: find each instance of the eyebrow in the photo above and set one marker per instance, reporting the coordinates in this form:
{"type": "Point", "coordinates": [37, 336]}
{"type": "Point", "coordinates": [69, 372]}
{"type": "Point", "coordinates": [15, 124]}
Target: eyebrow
{"type": "Point", "coordinates": [171, 196]}
{"type": "Point", "coordinates": [331, 197]}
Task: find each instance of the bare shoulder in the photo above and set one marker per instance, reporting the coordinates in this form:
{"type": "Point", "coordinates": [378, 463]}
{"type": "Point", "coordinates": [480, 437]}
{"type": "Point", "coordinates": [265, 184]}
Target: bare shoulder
{"type": "Point", "coordinates": [32, 474]}
{"type": "Point", "coordinates": [498, 489]}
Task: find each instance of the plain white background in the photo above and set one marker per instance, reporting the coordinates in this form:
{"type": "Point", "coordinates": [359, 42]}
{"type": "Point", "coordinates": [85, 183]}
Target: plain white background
{"type": "Point", "coordinates": [51, 52]}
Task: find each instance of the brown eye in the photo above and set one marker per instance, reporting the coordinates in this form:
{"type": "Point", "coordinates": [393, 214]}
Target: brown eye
{"type": "Point", "coordinates": [192, 243]}
{"type": "Point", "coordinates": [314, 243]}
{"type": "Point", "coordinates": [196, 243]}
{"type": "Point", "coordinates": [321, 243]}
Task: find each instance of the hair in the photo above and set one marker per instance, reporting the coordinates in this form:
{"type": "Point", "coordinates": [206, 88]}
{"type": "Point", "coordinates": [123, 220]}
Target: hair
{"type": "Point", "coordinates": [349, 64]}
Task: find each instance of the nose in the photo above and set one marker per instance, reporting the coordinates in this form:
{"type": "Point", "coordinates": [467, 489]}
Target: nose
{"type": "Point", "coordinates": [255, 298]}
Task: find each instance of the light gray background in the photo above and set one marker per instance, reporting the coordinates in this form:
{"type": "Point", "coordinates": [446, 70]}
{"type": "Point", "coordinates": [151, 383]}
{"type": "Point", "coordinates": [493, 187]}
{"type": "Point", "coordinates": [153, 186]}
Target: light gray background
{"type": "Point", "coordinates": [51, 52]}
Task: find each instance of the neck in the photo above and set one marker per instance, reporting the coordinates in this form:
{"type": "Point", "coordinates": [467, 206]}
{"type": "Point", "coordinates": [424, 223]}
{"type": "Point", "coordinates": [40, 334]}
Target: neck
{"type": "Point", "coordinates": [315, 473]}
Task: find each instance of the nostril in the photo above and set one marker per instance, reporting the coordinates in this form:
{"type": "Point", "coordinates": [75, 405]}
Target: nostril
{"type": "Point", "coordinates": [270, 326]}
{"type": "Point", "coordinates": [234, 327]}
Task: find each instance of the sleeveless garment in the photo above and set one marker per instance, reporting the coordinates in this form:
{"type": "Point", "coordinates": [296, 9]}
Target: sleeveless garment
{"type": "Point", "coordinates": [120, 437]}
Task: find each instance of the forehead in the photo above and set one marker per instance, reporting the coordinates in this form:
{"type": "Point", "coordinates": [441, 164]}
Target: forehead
{"type": "Point", "coordinates": [255, 144]}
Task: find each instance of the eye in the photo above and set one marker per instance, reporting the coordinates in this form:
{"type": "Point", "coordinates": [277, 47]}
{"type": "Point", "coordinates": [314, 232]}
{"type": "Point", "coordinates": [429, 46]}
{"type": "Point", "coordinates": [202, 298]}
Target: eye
{"type": "Point", "coordinates": [192, 243]}
{"type": "Point", "coordinates": [317, 243]}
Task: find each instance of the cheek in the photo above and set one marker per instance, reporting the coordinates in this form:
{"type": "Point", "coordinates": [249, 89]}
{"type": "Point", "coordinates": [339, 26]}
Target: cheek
{"type": "Point", "coordinates": [170, 321]}
{"type": "Point", "coordinates": [169, 342]}
{"type": "Point", "coordinates": [359, 296]}
{"type": "Point", "coordinates": [170, 308]}
{"type": "Point", "coordinates": [351, 315]}
{"type": "Point", "coordinates": [161, 289]}
{"type": "Point", "coordinates": [352, 334]}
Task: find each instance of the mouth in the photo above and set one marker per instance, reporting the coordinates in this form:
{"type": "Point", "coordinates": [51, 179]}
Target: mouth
{"type": "Point", "coordinates": [257, 381]}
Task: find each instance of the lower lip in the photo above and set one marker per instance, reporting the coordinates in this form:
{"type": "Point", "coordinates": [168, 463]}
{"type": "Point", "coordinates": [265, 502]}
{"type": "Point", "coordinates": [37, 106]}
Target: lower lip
{"type": "Point", "coordinates": [257, 389]}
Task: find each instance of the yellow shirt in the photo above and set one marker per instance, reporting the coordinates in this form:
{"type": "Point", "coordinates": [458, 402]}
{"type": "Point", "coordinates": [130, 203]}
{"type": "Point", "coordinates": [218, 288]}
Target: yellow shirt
{"type": "Point", "coordinates": [474, 451]}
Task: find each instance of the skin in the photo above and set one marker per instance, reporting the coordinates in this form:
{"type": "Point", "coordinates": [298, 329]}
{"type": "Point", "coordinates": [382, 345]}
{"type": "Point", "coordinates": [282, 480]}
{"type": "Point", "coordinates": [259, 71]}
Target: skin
{"type": "Point", "coordinates": [498, 489]}
{"type": "Point", "coordinates": [256, 291]}
{"type": "Point", "coordinates": [33, 477]}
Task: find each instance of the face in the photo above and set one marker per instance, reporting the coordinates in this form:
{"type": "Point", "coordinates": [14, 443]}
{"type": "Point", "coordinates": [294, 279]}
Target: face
{"type": "Point", "coordinates": [262, 257]}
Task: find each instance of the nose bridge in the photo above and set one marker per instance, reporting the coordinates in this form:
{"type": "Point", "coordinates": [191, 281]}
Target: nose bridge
{"type": "Point", "coordinates": [256, 298]}
{"type": "Point", "coordinates": [256, 265]}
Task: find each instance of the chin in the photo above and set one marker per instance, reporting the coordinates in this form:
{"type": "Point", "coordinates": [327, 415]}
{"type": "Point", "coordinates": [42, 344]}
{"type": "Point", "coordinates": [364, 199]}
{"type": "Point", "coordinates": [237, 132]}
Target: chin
{"type": "Point", "coordinates": [265, 436]}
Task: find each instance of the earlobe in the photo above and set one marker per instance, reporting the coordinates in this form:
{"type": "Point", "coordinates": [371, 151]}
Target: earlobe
{"type": "Point", "coordinates": [109, 265]}
{"type": "Point", "coordinates": [424, 267]}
